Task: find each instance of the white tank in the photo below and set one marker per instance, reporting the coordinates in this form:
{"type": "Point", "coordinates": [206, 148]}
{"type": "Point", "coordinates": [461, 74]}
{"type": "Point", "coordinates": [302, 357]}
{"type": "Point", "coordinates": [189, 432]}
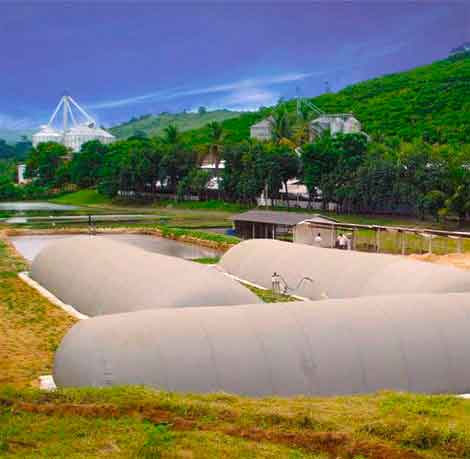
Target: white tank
{"type": "Point", "coordinates": [46, 134]}
{"type": "Point", "coordinates": [352, 125]}
{"type": "Point", "coordinates": [76, 136]}
{"type": "Point", "coordinates": [73, 134]}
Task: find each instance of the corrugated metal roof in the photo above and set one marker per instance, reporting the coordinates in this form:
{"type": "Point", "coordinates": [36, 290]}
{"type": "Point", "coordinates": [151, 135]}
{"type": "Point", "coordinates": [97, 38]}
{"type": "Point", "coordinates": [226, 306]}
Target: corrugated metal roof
{"type": "Point", "coordinates": [279, 217]}
{"type": "Point", "coordinates": [263, 123]}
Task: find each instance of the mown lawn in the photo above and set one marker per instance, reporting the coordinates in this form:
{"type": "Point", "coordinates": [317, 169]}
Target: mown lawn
{"type": "Point", "coordinates": [183, 214]}
{"type": "Point", "coordinates": [86, 197]}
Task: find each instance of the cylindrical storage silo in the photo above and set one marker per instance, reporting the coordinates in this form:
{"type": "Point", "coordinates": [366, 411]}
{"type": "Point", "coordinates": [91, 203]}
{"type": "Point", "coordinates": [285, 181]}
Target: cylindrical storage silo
{"type": "Point", "coordinates": [101, 276]}
{"type": "Point", "coordinates": [46, 134]}
{"type": "Point", "coordinates": [338, 273]}
{"type": "Point", "coordinates": [417, 343]}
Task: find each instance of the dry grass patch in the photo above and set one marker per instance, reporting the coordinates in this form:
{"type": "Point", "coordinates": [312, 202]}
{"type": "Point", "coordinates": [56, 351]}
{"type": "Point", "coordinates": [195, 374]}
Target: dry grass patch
{"type": "Point", "coordinates": [458, 260]}
{"type": "Point", "coordinates": [381, 426]}
{"type": "Point", "coordinates": [31, 328]}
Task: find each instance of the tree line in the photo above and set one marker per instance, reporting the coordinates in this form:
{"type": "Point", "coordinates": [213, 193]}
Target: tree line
{"type": "Point", "coordinates": [409, 178]}
{"type": "Point", "coordinates": [18, 150]}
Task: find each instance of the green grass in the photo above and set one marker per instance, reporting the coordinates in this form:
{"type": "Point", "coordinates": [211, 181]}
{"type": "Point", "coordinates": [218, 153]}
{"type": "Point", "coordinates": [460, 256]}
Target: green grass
{"type": "Point", "coordinates": [203, 205]}
{"type": "Point", "coordinates": [414, 244]}
{"type": "Point", "coordinates": [180, 233]}
{"type": "Point", "coordinates": [155, 124]}
{"type": "Point", "coordinates": [128, 422]}
{"type": "Point", "coordinates": [368, 219]}
{"type": "Point", "coordinates": [207, 260]}
{"type": "Point", "coordinates": [87, 197]}
{"type": "Point", "coordinates": [268, 296]}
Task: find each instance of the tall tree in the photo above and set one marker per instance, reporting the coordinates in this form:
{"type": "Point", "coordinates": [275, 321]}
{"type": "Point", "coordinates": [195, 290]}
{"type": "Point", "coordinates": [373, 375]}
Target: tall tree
{"type": "Point", "coordinates": [171, 135]}
{"type": "Point", "coordinates": [281, 126]}
{"type": "Point", "coordinates": [244, 176]}
{"type": "Point", "coordinates": [44, 160]}
{"type": "Point", "coordinates": [86, 165]}
{"type": "Point", "coordinates": [282, 164]}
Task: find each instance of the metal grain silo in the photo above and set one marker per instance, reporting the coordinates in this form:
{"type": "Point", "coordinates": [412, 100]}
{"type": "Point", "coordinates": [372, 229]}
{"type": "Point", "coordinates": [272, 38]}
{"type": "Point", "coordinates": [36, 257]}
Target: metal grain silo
{"type": "Point", "coordinates": [76, 127]}
{"type": "Point", "coordinates": [47, 134]}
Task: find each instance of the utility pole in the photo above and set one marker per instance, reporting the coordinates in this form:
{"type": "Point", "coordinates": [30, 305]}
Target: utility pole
{"type": "Point", "coordinates": [299, 101]}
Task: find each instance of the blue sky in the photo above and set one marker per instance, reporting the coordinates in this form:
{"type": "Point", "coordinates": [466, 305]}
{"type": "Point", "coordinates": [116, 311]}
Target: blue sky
{"type": "Point", "coordinates": [121, 59]}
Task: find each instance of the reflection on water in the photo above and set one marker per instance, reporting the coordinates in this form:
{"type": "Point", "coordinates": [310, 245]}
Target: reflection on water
{"type": "Point", "coordinates": [33, 205]}
{"type": "Point", "coordinates": [30, 246]}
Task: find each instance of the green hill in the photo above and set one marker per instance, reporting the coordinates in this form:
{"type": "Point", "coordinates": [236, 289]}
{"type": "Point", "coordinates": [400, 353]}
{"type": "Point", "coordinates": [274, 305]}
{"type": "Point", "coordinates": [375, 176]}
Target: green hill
{"type": "Point", "coordinates": [431, 102]}
{"type": "Point", "coordinates": [155, 124]}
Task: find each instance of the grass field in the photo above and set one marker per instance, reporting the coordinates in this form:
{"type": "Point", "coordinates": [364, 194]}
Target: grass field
{"type": "Point", "coordinates": [211, 214]}
{"type": "Point", "coordinates": [87, 197]}
{"type": "Point", "coordinates": [133, 422]}
{"type": "Point", "coordinates": [143, 423]}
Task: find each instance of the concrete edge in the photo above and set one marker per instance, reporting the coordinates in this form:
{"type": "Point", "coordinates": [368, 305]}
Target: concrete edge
{"type": "Point", "coordinates": [24, 276]}
{"type": "Point", "coordinates": [47, 383]}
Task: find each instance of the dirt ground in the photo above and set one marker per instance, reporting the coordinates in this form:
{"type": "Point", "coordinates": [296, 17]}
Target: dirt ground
{"type": "Point", "coordinates": [459, 260]}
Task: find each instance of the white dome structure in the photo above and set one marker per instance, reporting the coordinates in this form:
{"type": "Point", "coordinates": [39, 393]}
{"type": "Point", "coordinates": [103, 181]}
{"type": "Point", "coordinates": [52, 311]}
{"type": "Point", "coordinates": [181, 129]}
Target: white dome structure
{"type": "Point", "coordinates": [76, 136]}
{"type": "Point", "coordinates": [73, 134]}
{"type": "Point", "coordinates": [47, 134]}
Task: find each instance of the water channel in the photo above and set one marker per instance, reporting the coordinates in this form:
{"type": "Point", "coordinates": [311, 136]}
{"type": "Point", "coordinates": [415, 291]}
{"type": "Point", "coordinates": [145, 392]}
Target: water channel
{"type": "Point", "coordinates": [30, 246]}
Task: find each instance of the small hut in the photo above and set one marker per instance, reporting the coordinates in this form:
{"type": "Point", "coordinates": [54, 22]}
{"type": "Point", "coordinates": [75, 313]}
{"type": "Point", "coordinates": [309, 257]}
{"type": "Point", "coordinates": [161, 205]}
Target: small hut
{"type": "Point", "coordinates": [264, 224]}
{"type": "Point", "coordinates": [306, 231]}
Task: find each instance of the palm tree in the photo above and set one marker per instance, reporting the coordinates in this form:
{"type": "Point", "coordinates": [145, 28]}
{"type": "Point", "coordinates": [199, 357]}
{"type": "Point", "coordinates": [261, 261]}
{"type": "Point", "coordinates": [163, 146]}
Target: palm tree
{"type": "Point", "coordinates": [171, 134]}
{"type": "Point", "coordinates": [302, 134]}
{"type": "Point", "coordinates": [280, 125]}
{"type": "Point", "coordinates": [216, 137]}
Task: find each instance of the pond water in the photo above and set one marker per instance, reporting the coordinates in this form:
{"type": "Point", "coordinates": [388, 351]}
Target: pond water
{"type": "Point", "coordinates": [30, 246]}
{"type": "Point", "coordinates": [23, 206]}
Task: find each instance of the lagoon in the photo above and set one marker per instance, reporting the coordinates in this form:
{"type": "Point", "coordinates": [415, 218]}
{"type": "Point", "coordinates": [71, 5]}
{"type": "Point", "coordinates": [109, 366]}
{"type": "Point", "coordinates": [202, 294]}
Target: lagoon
{"type": "Point", "coordinates": [30, 246]}
{"type": "Point", "coordinates": [23, 206]}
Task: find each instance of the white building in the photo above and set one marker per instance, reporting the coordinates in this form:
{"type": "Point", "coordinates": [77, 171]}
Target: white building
{"type": "Point", "coordinates": [71, 133]}
{"type": "Point", "coordinates": [307, 231]}
{"type": "Point", "coordinates": [78, 135]}
{"type": "Point", "coordinates": [262, 130]}
{"type": "Point", "coordinates": [21, 169]}
{"type": "Point", "coordinates": [344, 123]}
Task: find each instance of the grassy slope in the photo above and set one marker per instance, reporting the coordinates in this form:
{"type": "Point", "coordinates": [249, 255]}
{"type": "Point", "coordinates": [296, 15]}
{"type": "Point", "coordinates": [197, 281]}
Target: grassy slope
{"type": "Point", "coordinates": [431, 101]}
{"type": "Point", "coordinates": [87, 197]}
{"type": "Point", "coordinates": [154, 124]}
{"type": "Point", "coordinates": [235, 129]}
